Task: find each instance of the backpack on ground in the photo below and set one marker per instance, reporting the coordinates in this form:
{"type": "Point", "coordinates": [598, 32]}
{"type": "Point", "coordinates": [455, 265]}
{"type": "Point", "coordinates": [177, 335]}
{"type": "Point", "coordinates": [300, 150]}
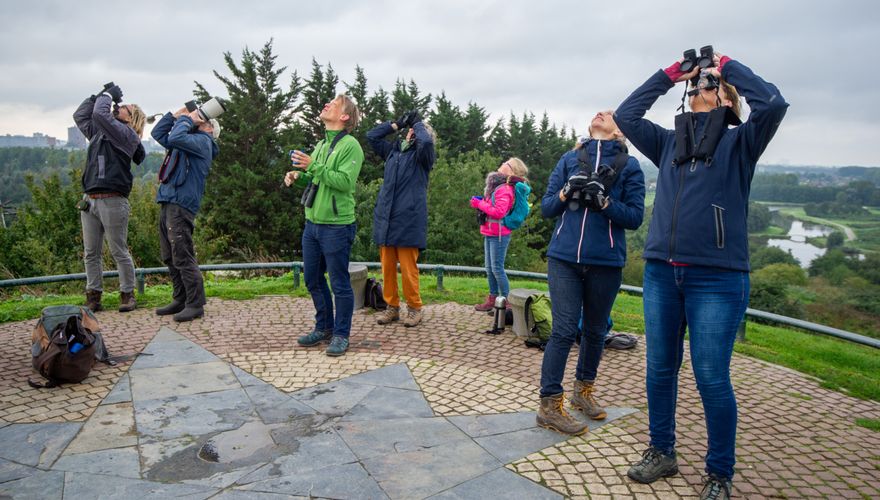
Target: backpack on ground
{"type": "Point", "coordinates": [65, 345]}
{"type": "Point", "coordinates": [373, 295]}
{"type": "Point", "coordinates": [539, 317]}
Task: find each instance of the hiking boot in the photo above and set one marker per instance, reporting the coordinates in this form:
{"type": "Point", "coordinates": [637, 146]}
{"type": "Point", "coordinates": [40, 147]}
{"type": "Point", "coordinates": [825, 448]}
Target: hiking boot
{"type": "Point", "coordinates": [127, 303]}
{"type": "Point", "coordinates": [413, 317]}
{"type": "Point", "coordinates": [486, 306]}
{"type": "Point", "coordinates": [315, 337]}
{"type": "Point", "coordinates": [653, 466]}
{"type": "Point", "coordinates": [388, 315]}
{"type": "Point", "coordinates": [716, 488]}
{"type": "Point", "coordinates": [552, 415]}
{"type": "Point", "coordinates": [173, 308]}
{"type": "Point", "coordinates": [93, 300]}
{"type": "Point", "coordinates": [189, 314]}
{"type": "Point", "coordinates": [338, 346]}
{"type": "Point", "coordinates": [584, 401]}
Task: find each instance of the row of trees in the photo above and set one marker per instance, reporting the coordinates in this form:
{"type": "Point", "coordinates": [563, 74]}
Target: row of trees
{"type": "Point", "coordinates": [787, 188]}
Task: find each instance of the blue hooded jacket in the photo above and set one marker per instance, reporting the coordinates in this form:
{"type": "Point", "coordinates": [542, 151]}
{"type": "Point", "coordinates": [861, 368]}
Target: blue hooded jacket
{"type": "Point", "coordinates": [585, 236]}
{"type": "Point", "coordinates": [700, 209]}
{"type": "Point", "coordinates": [192, 153]}
{"type": "Point", "coordinates": [400, 218]}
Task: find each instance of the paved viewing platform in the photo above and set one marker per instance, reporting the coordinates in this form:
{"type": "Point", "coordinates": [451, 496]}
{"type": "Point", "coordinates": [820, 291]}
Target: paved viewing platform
{"type": "Point", "coordinates": [229, 407]}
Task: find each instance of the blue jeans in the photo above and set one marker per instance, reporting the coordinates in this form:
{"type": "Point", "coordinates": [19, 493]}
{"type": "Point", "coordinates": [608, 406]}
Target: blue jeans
{"type": "Point", "coordinates": [495, 250]}
{"type": "Point", "coordinates": [710, 304]}
{"type": "Point", "coordinates": [327, 248]}
{"type": "Point", "coordinates": [575, 290]}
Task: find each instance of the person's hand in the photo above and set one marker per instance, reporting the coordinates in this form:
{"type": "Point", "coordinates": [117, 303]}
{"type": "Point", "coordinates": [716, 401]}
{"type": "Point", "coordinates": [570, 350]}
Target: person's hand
{"type": "Point", "coordinates": [115, 93]}
{"type": "Point", "coordinates": [476, 201]}
{"type": "Point", "coordinates": [594, 194]}
{"type": "Point", "coordinates": [718, 62]}
{"type": "Point", "coordinates": [676, 75]}
{"type": "Point", "coordinates": [400, 123]}
{"type": "Point", "coordinates": [180, 112]}
{"type": "Point", "coordinates": [300, 160]}
{"type": "Point", "coordinates": [196, 117]}
{"type": "Point", "coordinates": [291, 177]}
{"type": "Point", "coordinates": [412, 117]}
{"type": "Point", "coordinates": [574, 183]}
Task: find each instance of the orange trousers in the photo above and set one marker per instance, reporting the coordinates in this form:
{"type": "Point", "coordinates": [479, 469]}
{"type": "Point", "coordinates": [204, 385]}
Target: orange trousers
{"type": "Point", "coordinates": [409, 275]}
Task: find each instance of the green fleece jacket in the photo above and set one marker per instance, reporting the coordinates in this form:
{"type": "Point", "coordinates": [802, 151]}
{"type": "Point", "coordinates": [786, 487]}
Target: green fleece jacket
{"type": "Point", "coordinates": [336, 178]}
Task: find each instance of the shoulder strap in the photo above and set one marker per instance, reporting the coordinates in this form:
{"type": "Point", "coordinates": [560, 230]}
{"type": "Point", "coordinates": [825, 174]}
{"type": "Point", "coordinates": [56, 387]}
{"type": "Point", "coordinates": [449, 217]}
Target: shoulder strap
{"type": "Point", "coordinates": [583, 158]}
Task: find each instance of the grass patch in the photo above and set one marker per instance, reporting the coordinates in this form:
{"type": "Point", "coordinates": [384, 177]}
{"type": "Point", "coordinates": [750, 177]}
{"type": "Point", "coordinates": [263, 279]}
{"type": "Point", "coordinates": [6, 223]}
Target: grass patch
{"type": "Point", "coordinates": [869, 423]}
{"type": "Point", "coordinates": [843, 366]}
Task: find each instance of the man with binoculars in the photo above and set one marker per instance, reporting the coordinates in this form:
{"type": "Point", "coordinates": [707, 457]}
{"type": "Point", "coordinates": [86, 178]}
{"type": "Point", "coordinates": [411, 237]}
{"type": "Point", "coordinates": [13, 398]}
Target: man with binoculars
{"type": "Point", "coordinates": [114, 142]}
{"type": "Point", "coordinates": [329, 176]}
{"type": "Point", "coordinates": [189, 136]}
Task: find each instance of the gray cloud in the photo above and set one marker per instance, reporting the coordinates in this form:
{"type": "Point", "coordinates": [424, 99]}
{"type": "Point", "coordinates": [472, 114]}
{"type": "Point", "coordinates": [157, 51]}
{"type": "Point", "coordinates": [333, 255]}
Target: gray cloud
{"type": "Point", "coordinates": [567, 58]}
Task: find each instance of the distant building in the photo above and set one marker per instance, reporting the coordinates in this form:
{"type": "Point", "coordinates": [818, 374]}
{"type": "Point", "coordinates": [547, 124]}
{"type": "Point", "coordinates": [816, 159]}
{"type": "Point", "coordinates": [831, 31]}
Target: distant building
{"type": "Point", "coordinates": [38, 140]}
{"type": "Point", "coordinates": [76, 139]}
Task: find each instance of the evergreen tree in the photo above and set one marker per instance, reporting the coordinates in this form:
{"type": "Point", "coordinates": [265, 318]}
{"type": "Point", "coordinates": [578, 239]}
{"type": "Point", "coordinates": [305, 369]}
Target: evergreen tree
{"type": "Point", "coordinates": [320, 88]}
{"type": "Point", "coordinates": [475, 127]}
{"type": "Point", "coordinates": [447, 121]}
{"type": "Point", "coordinates": [243, 202]}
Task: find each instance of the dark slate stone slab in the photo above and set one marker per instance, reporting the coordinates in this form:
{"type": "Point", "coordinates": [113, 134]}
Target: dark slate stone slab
{"type": "Point", "coordinates": [487, 425]}
{"type": "Point", "coordinates": [512, 446]}
{"type": "Point", "coordinates": [500, 483]}
{"type": "Point", "coordinates": [254, 495]}
{"type": "Point", "coordinates": [275, 406]}
{"type": "Point", "coordinates": [194, 414]}
{"type": "Point", "coordinates": [160, 353]}
{"type": "Point", "coordinates": [386, 402]}
{"type": "Point", "coordinates": [333, 398]}
{"type": "Point", "coordinates": [166, 334]}
{"type": "Point", "coordinates": [419, 474]}
{"type": "Point", "coordinates": [169, 381]}
{"type": "Point", "coordinates": [397, 376]}
{"type": "Point", "coordinates": [372, 438]}
{"type": "Point", "coordinates": [338, 481]}
{"type": "Point", "coordinates": [87, 485]}
{"type": "Point", "coordinates": [10, 471]}
{"type": "Point", "coordinates": [45, 485]}
{"type": "Point", "coordinates": [123, 462]}
{"type": "Point", "coordinates": [121, 392]}
{"type": "Point", "coordinates": [245, 378]}
{"type": "Point", "coordinates": [224, 479]}
{"type": "Point", "coordinates": [323, 448]}
{"type": "Point", "coordinates": [36, 444]}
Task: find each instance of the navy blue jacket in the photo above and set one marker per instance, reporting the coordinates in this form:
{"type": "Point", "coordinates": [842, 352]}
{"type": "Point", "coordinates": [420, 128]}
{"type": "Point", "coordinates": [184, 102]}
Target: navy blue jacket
{"type": "Point", "coordinates": [400, 218]}
{"type": "Point", "coordinates": [700, 210]}
{"type": "Point", "coordinates": [193, 152]}
{"type": "Point", "coordinates": [585, 236]}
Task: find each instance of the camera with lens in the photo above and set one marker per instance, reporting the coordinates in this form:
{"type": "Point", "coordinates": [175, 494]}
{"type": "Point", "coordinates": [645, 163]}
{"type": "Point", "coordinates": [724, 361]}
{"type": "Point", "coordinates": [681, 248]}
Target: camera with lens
{"type": "Point", "coordinates": [706, 59]}
{"type": "Point", "coordinates": [308, 196]}
{"type": "Point", "coordinates": [209, 110]}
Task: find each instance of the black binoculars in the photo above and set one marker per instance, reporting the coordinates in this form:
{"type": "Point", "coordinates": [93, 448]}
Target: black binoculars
{"type": "Point", "coordinates": [308, 196]}
{"type": "Point", "coordinates": [704, 61]}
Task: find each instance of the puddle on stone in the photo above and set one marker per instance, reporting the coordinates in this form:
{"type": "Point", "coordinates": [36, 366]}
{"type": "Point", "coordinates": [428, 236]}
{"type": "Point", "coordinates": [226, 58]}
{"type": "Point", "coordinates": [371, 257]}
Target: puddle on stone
{"type": "Point", "coordinates": [237, 444]}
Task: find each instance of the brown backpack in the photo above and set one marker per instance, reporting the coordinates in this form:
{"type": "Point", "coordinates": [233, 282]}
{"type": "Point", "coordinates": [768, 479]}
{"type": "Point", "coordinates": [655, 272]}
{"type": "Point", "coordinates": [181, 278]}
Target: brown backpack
{"type": "Point", "coordinates": [65, 345]}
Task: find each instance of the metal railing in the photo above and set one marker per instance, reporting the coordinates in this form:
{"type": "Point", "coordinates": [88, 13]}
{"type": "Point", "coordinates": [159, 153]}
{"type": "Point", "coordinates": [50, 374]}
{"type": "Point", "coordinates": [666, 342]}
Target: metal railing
{"type": "Point", "coordinates": [439, 270]}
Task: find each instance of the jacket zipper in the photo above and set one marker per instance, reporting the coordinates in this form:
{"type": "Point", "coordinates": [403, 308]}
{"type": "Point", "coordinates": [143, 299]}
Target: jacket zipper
{"type": "Point", "coordinates": [333, 199]}
{"type": "Point", "coordinates": [675, 213]}
{"type": "Point", "coordinates": [581, 240]}
{"type": "Point", "coordinates": [610, 236]}
{"type": "Point", "coordinates": [719, 226]}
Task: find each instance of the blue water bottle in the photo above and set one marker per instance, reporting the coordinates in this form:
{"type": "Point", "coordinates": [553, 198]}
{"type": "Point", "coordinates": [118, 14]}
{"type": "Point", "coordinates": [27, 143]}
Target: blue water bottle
{"type": "Point", "coordinates": [75, 348]}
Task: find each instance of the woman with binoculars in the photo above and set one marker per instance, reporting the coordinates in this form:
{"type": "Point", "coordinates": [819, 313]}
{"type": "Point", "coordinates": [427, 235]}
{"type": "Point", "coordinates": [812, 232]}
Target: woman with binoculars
{"type": "Point", "coordinates": [596, 192]}
{"type": "Point", "coordinates": [697, 259]}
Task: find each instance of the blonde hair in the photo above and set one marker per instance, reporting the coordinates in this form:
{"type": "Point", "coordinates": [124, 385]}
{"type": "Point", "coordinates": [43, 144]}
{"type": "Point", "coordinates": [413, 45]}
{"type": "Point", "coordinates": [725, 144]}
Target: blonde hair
{"type": "Point", "coordinates": [138, 119]}
{"type": "Point", "coordinates": [518, 168]}
{"type": "Point", "coordinates": [350, 108]}
{"type": "Point", "coordinates": [732, 96]}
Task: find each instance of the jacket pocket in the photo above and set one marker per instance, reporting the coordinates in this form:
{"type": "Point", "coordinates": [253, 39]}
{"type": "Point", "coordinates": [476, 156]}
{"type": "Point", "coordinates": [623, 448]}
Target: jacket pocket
{"type": "Point", "coordinates": [102, 166]}
{"type": "Point", "coordinates": [333, 201]}
{"type": "Point", "coordinates": [719, 226]}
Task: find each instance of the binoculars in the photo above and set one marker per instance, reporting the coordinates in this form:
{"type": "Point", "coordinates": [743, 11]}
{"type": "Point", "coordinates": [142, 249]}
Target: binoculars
{"type": "Point", "coordinates": [211, 109]}
{"type": "Point", "coordinates": [704, 61]}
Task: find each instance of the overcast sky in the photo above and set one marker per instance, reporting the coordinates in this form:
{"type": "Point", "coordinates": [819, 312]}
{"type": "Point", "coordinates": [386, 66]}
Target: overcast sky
{"type": "Point", "coordinates": [569, 59]}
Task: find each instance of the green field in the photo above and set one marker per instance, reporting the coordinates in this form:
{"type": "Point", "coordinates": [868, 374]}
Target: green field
{"type": "Point", "coordinates": [846, 367]}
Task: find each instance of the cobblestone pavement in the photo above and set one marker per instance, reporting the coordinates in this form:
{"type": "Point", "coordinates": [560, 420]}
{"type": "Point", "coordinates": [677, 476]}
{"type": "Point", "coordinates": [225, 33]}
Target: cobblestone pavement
{"type": "Point", "coordinates": [795, 439]}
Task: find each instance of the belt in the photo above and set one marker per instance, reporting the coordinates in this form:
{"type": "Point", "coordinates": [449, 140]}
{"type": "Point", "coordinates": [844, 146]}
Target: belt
{"type": "Point", "coordinates": [98, 196]}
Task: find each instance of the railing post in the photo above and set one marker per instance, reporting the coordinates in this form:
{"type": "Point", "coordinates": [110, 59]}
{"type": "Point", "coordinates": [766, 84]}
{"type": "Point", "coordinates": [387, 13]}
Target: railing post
{"type": "Point", "coordinates": [439, 272]}
{"type": "Point", "coordinates": [741, 331]}
{"type": "Point", "coordinates": [141, 282]}
{"type": "Point", "coordinates": [296, 270]}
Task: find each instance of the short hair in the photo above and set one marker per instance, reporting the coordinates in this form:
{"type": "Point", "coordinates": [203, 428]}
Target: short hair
{"type": "Point", "coordinates": [518, 167]}
{"type": "Point", "coordinates": [216, 126]}
{"type": "Point", "coordinates": [137, 120]}
{"type": "Point", "coordinates": [350, 108]}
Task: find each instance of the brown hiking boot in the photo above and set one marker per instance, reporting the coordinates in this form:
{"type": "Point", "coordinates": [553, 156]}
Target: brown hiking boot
{"type": "Point", "coordinates": [552, 415]}
{"type": "Point", "coordinates": [127, 302]}
{"type": "Point", "coordinates": [486, 306]}
{"type": "Point", "coordinates": [93, 300]}
{"type": "Point", "coordinates": [388, 315]}
{"type": "Point", "coordinates": [584, 401]}
{"type": "Point", "coordinates": [413, 317]}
